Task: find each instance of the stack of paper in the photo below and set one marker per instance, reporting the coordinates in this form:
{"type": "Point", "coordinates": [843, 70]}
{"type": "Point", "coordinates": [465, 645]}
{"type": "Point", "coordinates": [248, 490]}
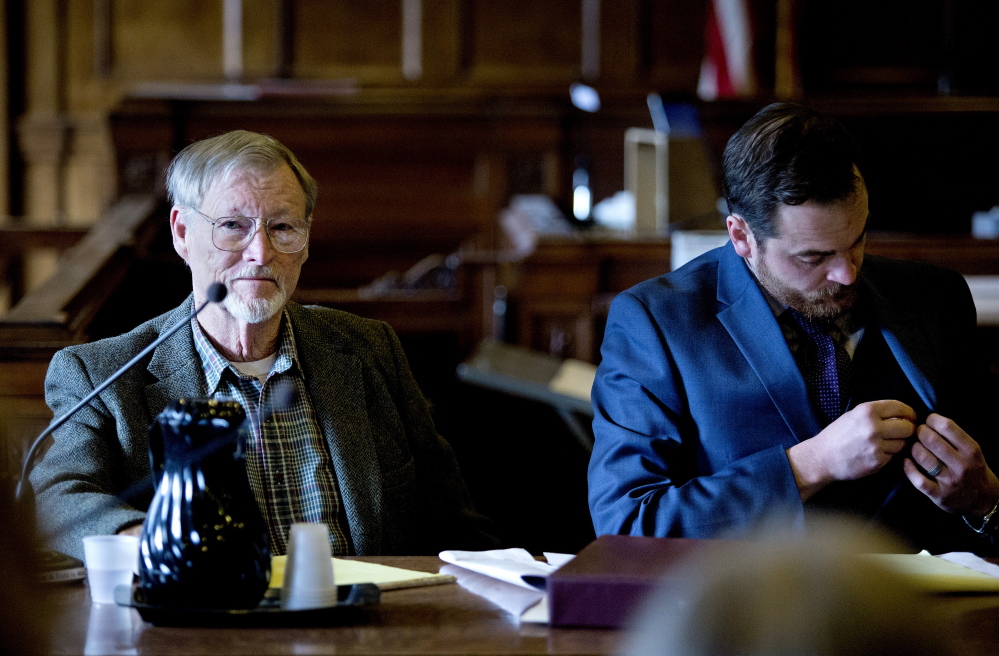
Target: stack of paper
{"type": "Point", "coordinates": [510, 578]}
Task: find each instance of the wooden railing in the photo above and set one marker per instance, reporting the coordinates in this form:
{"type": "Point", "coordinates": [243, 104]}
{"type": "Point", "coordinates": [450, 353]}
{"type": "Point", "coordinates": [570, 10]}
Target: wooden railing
{"type": "Point", "coordinates": [59, 312]}
{"type": "Point", "coordinates": [16, 239]}
{"type": "Point", "coordinates": [963, 253]}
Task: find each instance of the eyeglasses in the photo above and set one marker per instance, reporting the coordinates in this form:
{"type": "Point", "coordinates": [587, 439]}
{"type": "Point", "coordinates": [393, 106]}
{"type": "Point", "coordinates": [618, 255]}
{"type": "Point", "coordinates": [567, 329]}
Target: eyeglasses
{"type": "Point", "coordinates": [233, 233]}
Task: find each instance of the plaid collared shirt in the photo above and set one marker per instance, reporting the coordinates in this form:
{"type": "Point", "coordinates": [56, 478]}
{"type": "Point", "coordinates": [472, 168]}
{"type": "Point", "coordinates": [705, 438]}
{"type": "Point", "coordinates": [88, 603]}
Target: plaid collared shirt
{"type": "Point", "coordinates": [287, 459]}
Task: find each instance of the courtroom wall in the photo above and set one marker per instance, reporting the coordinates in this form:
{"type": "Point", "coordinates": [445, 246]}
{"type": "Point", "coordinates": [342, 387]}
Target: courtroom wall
{"type": "Point", "coordinates": [83, 58]}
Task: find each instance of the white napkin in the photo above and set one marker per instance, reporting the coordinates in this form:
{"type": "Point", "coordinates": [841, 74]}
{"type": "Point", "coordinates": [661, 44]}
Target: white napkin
{"type": "Point", "coordinates": [510, 578]}
{"type": "Point", "coordinates": [971, 561]}
{"type": "Point", "coordinates": [514, 599]}
{"type": "Point", "coordinates": [515, 566]}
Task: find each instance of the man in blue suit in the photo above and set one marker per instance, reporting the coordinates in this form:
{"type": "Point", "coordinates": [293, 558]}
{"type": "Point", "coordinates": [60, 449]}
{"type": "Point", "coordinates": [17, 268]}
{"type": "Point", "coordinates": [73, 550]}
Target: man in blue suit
{"type": "Point", "coordinates": [785, 372]}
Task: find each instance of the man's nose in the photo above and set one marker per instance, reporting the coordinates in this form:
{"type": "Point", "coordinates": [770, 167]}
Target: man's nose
{"type": "Point", "coordinates": [259, 248]}
{"type": "Point", "coordinates": [843, 271]}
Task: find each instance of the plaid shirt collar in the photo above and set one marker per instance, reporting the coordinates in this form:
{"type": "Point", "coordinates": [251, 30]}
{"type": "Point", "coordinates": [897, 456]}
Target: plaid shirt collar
{"type": "Point", "coordinates": [215, 365]}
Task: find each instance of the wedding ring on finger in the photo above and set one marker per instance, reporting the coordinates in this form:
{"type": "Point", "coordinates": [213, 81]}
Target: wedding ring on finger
{"type": "Point", "coordinates": [936, 470]}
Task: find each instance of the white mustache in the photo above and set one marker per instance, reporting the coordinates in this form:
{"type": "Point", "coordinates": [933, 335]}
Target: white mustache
{"type": "Point", "coordinates": [252, 272]}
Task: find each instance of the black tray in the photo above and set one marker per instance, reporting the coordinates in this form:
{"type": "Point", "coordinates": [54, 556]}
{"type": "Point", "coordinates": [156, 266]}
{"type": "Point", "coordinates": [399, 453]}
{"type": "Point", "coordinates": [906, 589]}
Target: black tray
{"type": "Point", "coordinates": [353, 601]}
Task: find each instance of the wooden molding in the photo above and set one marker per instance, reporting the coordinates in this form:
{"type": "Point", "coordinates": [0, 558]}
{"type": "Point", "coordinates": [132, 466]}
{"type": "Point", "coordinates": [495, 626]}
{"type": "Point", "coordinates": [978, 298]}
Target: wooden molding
{"type": "Point", "coordinates": [58, 311]}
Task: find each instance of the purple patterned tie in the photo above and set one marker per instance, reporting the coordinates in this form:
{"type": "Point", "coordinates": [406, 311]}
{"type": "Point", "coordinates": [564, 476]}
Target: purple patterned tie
{"type": "Point", "coordinates": [827, 372]}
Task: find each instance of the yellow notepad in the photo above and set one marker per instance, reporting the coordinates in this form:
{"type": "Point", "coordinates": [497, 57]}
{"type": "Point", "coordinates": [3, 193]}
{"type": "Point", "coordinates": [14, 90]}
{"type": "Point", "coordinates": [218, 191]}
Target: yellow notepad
{"type": "Point", "coordinates": [350, 572]}
{"type": "Point", "coordinates": [937, 575]}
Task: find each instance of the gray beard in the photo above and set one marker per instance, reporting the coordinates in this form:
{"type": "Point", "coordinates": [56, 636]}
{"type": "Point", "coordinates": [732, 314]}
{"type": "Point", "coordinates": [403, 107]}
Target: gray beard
{"type": "Point", "coordinates": [257, 310]}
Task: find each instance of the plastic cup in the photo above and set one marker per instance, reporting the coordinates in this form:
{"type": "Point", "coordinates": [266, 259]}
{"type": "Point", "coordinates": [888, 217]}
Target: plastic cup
{"type": "Point", "coordinates": [111, 561]}
{"type": "Point", "coordinates": [308, 573]}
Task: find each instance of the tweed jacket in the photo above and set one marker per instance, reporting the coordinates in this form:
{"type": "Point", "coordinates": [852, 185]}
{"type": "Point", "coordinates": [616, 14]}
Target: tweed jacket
{"type": "Point", "coordinates": [401, 489]}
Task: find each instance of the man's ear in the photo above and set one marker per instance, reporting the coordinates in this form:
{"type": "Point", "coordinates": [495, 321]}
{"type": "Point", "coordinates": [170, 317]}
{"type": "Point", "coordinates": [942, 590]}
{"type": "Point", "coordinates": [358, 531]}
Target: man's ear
{"type": "Point", "coordinates": [178, 229]}
{"type": "Point", "coordinates": [741, 235]}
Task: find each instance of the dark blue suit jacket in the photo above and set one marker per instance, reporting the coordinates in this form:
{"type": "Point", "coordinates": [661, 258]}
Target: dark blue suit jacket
{"type": "Point", "coordinates": [698, 396]}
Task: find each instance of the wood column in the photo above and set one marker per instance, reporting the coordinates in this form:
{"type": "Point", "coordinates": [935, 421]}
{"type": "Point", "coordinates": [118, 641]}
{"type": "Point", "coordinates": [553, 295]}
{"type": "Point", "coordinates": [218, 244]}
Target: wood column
{"type": "Point", "coordinates": [63, 135]}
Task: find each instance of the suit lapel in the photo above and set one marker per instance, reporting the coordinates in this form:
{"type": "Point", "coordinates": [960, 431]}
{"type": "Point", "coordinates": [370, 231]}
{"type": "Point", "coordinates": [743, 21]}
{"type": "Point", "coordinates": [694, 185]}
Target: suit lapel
{"type": "Point", "coordinates": [901, 328]}
{"type": "Point", "coordinates": [754, 329]}
{"type": "Point", "coordinates": [336, 388]}
{"type": "Point", "coordinates": [175, 365]}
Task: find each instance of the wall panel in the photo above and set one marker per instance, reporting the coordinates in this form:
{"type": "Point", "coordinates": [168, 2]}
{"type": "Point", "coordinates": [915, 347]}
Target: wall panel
{"type": "Point", "coordinates": [176, 40]}
{"type": "Point", "coordinates": [674, 47]}
{"type": "Point", "coordinates": [348, 38]}
{"type": "Point", "coordinates": [523, 41]}
{"type": "Point", "coordinates": [261, 38]}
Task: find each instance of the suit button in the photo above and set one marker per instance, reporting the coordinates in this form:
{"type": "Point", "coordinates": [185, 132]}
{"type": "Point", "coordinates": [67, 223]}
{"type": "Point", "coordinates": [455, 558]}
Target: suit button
{"type": "Point", "coordinates": [279, 478]}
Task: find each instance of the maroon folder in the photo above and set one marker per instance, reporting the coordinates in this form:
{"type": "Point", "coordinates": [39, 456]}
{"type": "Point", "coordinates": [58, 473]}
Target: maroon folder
{"type": "Point", "coordinates": [605, 582]}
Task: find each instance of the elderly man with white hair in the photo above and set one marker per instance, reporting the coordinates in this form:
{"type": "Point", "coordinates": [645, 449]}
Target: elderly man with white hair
{"type": "Point", "coordinates": [354, 448]}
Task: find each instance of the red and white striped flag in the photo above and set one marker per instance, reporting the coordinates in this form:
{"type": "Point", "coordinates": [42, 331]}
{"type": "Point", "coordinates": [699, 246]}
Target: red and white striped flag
{"type": "Point", "coordinates": [727, 69]}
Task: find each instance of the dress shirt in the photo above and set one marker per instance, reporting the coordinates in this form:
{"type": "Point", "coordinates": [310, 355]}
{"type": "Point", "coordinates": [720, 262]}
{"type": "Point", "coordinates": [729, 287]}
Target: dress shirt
{"type": "Point", "coordinates": [287, 461]}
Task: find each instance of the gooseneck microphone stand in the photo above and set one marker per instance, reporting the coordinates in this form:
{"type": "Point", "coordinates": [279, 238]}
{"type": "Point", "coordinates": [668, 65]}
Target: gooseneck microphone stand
{"type": "Point", "coordinates": [24, 494]}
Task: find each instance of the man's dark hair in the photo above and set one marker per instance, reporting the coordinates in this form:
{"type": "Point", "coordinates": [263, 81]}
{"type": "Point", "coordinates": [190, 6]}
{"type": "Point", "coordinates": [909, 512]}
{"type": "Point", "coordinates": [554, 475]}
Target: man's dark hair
{"type": "Point", "coordinates": [787, 154]}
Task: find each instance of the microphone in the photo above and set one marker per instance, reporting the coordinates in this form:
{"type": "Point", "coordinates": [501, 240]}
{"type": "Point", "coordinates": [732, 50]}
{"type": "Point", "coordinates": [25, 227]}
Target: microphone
{"type": "Point", "coordinates": [24, 494]}
{"type": "Point", "coordinates": [215, 293]}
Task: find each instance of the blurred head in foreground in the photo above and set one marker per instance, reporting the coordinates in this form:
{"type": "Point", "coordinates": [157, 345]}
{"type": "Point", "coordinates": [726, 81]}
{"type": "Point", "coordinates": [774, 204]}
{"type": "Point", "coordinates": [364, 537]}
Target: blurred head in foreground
{"type": "Point", "coordinates": [788, 595]}
{"type": "Point", "coordinates": [24, 619]}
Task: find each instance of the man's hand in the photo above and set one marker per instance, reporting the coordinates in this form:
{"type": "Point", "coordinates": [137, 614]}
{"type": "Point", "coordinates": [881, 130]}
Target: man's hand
{"type": "Point", "coordinates": [135, 529]}
{"type": "Point", "coordinates": [964, 484]}
{"type": "Point", "coordinates": [857, 444]}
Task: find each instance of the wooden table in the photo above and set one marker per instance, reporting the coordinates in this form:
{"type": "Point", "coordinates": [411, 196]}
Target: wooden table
{"type": "Point", "coordinates": [442, 619]}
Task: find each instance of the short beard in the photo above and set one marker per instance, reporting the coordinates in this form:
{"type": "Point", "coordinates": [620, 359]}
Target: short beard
{"type": "Point", "coordinates": [824, 304]}
{"type": "Point", "coordinates": [257, 310]}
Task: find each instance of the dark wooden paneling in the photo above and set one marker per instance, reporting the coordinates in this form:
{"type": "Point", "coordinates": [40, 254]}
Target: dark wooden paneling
{"type": "Point", "coordinates": [564, 286]}
{"type": "Point", "coordinates": [348, 38]}
{"type": "Point", "coordinates": [182, 39]}
{"type": "Point", "coordinates": [261, 38]}
{"type": "Point", "coordinates": [929, 162]}
{"type": "Point", "coordinates": [854, 44]}
{"type": "Point", "coordinates": [624, 34]}
{"type": "Point", "coordinates": [498, 44]}
{"type": "Point", "coordinates": [675, 43]}
{"type": "Point", "coordinates": [524, 41]}
{"type": "Point", "coordinates": [18, 239]}
{"type": "Point", "coordinates": [176, 40]}
{"type": "Point", "coordinates": [23, 413]}
{"type": "Point", "coordinates": [397, 181]}
{"type": "Point", "coordinates": [959, 252]}
{"type": "Point", "coordinates": [928, 172]}
{"type": "Point", "coordinates": [444, 37]}
{"type": "Point", "coordinates": [919, 47]}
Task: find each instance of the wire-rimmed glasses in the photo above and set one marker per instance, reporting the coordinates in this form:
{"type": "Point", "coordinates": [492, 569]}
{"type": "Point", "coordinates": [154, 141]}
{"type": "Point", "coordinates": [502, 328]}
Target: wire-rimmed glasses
{"type": "Point", "coordinates": [233, 233]}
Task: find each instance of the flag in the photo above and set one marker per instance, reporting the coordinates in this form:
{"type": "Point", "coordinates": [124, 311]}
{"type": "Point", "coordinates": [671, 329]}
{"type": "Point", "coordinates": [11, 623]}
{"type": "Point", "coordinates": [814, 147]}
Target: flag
{"type": "Point", "coordinates": [727, 69]}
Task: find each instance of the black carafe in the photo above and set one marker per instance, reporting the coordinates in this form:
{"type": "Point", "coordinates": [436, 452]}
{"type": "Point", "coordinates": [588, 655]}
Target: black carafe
{"type": "Point", "coordinates": [204, 543]}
